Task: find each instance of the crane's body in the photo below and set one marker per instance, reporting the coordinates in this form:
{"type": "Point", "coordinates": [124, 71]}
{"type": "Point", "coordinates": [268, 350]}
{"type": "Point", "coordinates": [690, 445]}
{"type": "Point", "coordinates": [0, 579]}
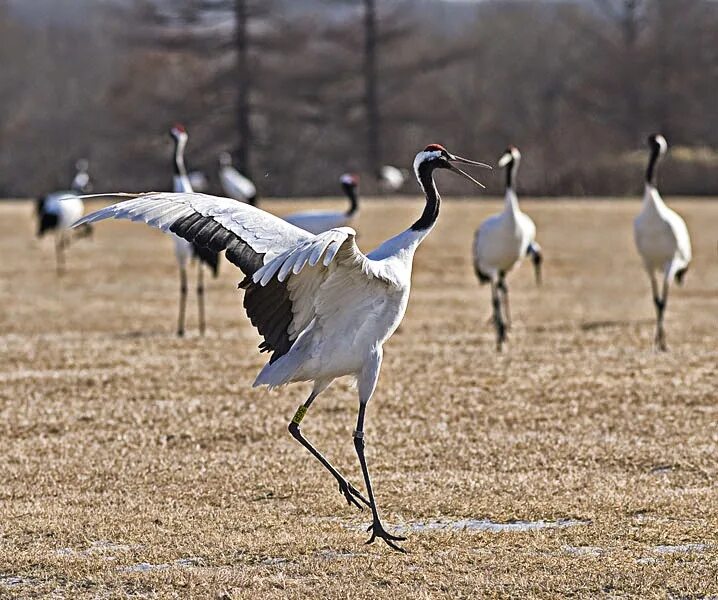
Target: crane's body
{"type": "Point", "coordinates": [58, 211]}
{"type": "Point", "coordinates": [318, 221]}
{"type": "Point", "coordinates": [323, 307]}
{"type": "Point", "coordinates": [392, 178]}
{"type": "Point", "coordinates": [501, 242]}
{"type": "Point", "coordinates": [234, 184]}
{"type": "Point", "coordinates": [661, 237]}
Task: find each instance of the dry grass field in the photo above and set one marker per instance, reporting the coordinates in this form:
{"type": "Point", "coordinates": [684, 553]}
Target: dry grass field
{"type": "Point", "coordinates": [137, 464]}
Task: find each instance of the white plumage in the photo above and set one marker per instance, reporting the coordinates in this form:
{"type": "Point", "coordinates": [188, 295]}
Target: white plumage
{"type": "Point", "coordinates": [318, 221]}
{"type": "Point", "coordinates": [234, 184]}
{"type": "Point", "coordinates": [323, 307]}
{"type": "Point", "coordinates": [501, 242]}
{"type": "Point", "coordinates": [661, 237]}
{"type": "Point", "coordinates": [392, 178]}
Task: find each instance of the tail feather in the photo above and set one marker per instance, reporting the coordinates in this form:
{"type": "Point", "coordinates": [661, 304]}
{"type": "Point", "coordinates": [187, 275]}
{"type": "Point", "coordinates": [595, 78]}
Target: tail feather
{"type": "Point", "coordinates": [680, 275]}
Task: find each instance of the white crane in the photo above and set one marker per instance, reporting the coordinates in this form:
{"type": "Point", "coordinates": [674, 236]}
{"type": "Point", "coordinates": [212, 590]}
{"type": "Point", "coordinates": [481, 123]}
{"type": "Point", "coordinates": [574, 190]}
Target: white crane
{"type": "Point", "coordinates": [392, 178]}
{"type": "Point", "coordinates": [234, 184]}
{"type": "Point", "coordinates": [185, 250]}
{"type": "Point", "coordinates": [57, 211]}
{"type": "Point", "coordinates": [661, 238]}
{"type": "Point", "coordinates": [501, 242]}
{"type": "Point", "coordinates": [324, 308]}
{"type": "Point", "coordinates": [318, 221]}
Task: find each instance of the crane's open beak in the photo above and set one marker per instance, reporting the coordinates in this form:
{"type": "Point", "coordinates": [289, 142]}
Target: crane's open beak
{"type": "Point", "coordinates": [466, 161]}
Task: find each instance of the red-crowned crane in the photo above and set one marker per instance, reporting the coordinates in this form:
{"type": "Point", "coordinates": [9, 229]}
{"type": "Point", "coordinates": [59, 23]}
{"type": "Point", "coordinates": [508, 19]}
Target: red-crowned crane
{"type": "Point", "coordinates": [234, 184]}
{"type": "Point", "coordinates": [324, 308]}
{"type": "Point", "coordinates": [185, 250]}
{"type": "Point", "coordinates": [661, 238]}
{"type": "Point", "coordinates": [57, 212]}
{"type": "Point", "coordinates": [318, 221]}
{"type": "Point", "coordinates": [501, 242]}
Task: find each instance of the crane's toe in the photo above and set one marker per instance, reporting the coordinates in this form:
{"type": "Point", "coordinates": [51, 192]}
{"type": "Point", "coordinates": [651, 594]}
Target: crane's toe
{"type": "Point", "coordinates": [351, 494]}
{"type": "Point", "coordinates": [378, 531]}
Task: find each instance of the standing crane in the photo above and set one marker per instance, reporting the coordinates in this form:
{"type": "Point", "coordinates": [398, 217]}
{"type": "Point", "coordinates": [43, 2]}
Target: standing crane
{"type": "Point", "coordinates": [501, 242]}
{"type": "Point", "coordinates": [185, 250]}
{"type": "Point", "coordinates": [234, 184]}
{"type": "Point", "coordinates": [318, 221]}
{"type": "Point", "coordinates": [661, 238]}
{"type": "Point", "coordinates": [323, 307]}
{"type": "Point", "coordinates": [57, 211]}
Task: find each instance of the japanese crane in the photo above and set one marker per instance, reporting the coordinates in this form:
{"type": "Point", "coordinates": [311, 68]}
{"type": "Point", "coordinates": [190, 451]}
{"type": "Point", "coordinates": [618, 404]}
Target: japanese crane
{"type": "Point", "coordinates": [318, 221]}
{"type": "Point", "coordinates": [392, 178]}
{"type": "Point", "coordinates": [501, 242]}
{"type": "Point", "coordinates": [234, 184]}
{"type": "Point", "coordinates": [661, 238]}
{"type": "Point", "coordinates": [57, 211]}
{"type": "Point", "coordinates": [185, 250]}
{"type": "Point", "coordinates": [324, 308]}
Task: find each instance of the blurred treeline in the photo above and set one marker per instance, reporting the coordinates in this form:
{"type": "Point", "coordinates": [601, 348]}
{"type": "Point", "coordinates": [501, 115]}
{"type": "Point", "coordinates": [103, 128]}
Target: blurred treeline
{"type": "Point", "coordinates": [303, 90]}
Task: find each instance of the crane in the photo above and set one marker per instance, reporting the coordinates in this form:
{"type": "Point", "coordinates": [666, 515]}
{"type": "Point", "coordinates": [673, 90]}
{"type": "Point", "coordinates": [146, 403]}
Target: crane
{"type": "Point", "coordinates": [501, 242]}
{"type": "Point", "coordinates": [661, 237]}
{"type": "Point", "coordinates": [185, 250]}
{"type": "Point", "coordinates": [234, 184]}
{"type": "Point", "coordinates": [317, 221]}
{"type": "Point", "coordinates": [323, 307]}
{"type": "Point", "coordinates": [57, 211]}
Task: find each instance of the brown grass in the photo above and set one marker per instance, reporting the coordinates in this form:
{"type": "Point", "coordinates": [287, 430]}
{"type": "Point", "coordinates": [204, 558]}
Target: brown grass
{"type": "Point", "coordinates": [121, 444]}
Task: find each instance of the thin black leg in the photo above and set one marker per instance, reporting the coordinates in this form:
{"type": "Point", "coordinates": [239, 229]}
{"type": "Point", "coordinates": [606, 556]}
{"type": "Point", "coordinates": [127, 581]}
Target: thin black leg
{"type": "Point", "coordinates": [350, 492]}
{"type": "Point", "coordinates": [376, 528]}
{"type": "Point", "coordinates": [200, 295]}
{"type": "Point", "coordinates": [183, 300]}
{"type": "Point", "coordinates": [498, 320]}
{"type": "Point", "coordinates": [504, 289]}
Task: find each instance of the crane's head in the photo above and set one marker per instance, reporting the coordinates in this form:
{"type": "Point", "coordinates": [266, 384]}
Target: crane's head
{"type": "Point", "coordinates": [225, 159]}
{"type": "Point", "coordinates": [349, 180]}
{"type": "Point", "coordinates": [435, 156]}
{"type": "Point", "coordinates": [178, 132]}
{"type": "Point", "coordinates": [511, 154]}
{"type": "Point", "coordinates": [657, 143]}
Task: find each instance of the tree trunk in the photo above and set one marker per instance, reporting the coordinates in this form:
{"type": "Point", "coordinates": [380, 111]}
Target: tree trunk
{"type": "Point", "coordinates": [371, 104]}
{"type": "Point", "coordinates": [243, 90]}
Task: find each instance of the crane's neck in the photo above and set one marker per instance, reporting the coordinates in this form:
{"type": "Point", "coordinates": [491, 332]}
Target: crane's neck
{"type": "Point", "coordinates": [351, 193]}
{"type": "Point", "coordinates": [651, 171]}
{"type": "Point", "coordinates": [511, 170]}
{"type": "Point", "coordinates": [425, 176]}
{"type": "Point", "coordinates": [178, 163]}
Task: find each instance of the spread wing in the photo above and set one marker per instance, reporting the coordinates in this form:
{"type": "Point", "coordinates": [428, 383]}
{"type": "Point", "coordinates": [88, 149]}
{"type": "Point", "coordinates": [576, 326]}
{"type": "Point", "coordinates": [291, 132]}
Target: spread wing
{"type": "Point", "coordinates": [250, 236]}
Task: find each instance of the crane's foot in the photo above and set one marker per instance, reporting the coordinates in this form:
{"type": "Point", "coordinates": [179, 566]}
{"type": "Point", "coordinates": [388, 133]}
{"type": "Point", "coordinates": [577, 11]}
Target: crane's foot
{"type": "Point", "coordinates": [378, 531]}
{"type": "Point", "coordinates": [660, 343]}
{"type": "Point", "coordinates": [352, 494]}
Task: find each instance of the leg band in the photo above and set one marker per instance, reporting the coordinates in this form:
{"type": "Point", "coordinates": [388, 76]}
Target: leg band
{"type": "Point", "coordinates": [358, 435]}
{"type": "Point", "coordinates": [299, 415]}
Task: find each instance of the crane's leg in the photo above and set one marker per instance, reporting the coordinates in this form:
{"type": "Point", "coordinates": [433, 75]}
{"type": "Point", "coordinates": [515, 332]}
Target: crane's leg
{"type": "Point", "coordinates": [367, 383]}
{"type": "Point", "coordinates": [350, 492]}
{"type": "Point", "coordinates": [536, 259]}
{"type": "Point", "coordinates": [200, 295]}
{"type": "Point", "coordinates": [60, 253]}
{"type": "Point", "coordinates": [503, 288]}
{"type": "Point", "coordinates": [183, 299]}
{"type": "Point", "coordinates": [660, 311]}
{"type": "Point", "coordinates": [498, 319]}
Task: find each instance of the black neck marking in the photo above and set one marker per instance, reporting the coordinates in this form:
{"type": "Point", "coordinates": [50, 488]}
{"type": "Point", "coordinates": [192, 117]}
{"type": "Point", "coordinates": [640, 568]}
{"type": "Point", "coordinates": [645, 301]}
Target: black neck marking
{"type": "Point", "coordinates": [351, 193]}
{"type": "Point", "coordinates": [433, 200]}
{"type": "Point", "coordinates": [511, 169]}
{"type": "Point", "coordinates": [653, 164]}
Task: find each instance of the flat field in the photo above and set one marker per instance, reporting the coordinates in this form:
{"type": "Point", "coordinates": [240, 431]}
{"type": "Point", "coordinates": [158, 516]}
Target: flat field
{"type": "Point", "coordinates": [578, 463]}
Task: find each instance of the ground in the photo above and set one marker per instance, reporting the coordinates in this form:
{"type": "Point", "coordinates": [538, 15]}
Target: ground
{"type": "Point", "coordinates": [137, 464]}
